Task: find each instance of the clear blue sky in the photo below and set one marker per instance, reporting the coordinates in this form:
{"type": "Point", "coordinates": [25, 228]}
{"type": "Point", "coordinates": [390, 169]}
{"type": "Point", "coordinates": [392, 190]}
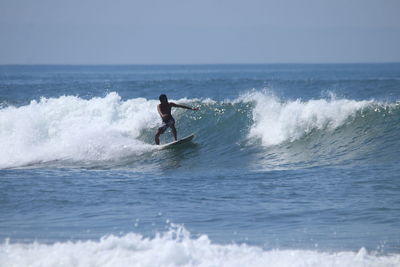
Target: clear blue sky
{"type": "Point", "coordinates": [198, 31]}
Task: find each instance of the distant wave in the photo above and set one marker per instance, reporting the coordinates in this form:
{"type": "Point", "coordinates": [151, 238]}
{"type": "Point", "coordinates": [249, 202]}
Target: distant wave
{"type": "Point", "coordinates": [176, 248]}
{"type": "Point", "coordinates": [108, 129]}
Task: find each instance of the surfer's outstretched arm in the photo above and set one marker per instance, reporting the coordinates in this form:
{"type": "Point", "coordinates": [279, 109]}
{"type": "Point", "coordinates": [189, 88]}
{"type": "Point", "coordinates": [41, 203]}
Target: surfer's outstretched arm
{"type": "Point", "coordinates": [182, 106]}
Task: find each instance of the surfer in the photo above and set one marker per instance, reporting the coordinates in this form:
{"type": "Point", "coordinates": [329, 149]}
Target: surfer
{"type": "Point", "coordinates": [164, 109]}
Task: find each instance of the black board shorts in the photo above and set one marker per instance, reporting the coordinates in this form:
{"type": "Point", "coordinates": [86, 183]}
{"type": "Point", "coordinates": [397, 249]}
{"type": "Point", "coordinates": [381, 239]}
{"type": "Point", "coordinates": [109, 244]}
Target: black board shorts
{"type": "Point", "coordinates": [166, 125]}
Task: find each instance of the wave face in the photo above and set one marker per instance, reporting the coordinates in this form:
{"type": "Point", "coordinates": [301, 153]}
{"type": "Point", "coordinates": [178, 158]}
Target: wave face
{"type": "Point", "coordinates": [256, 126]}
{"type": "Point", "coordinates": [176, 248]}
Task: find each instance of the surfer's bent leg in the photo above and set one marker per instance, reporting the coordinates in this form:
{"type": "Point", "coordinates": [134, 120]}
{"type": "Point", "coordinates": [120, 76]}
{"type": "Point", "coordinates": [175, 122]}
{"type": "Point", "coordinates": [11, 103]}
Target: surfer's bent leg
{"type": "Point", "coordinates": [160, 131]}
{"type": "Point", "coordinates": [169, 124]}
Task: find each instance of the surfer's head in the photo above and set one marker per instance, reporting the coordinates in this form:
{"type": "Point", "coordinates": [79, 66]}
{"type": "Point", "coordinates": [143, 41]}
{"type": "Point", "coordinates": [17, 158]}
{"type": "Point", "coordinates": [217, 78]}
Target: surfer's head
{"type": "Point", "coordinates": [163, 98]}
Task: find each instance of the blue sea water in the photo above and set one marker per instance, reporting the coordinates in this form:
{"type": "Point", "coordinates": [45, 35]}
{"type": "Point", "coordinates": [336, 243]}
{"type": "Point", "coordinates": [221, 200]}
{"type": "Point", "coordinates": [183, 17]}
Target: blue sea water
{"type": "Point", "coordinates": [291, 165]}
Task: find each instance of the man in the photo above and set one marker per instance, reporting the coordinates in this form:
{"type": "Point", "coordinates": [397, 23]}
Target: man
{"type": "Point", "coordinates": [164, 109]}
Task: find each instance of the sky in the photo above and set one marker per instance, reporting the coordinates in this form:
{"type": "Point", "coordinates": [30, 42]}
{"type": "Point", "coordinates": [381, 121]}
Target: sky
{"type": "Point", "coordinates": [198, 31]}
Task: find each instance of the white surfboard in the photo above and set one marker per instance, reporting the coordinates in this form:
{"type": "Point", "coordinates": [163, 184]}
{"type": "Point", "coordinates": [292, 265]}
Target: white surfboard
{"type": "Point", "coordinates": [184, 140]}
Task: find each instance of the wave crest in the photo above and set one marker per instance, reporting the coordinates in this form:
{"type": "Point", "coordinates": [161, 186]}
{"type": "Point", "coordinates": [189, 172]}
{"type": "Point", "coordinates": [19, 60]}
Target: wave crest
{"type": "Point", "coordinates": [277, 121]}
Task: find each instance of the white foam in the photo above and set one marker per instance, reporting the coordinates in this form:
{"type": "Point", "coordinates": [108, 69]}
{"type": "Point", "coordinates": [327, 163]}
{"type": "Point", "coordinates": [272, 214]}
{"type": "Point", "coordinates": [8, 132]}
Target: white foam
{"type": "Point", "coordinates": [72, 128]}
{"type": "Point", "coordinates": [176, 248]}
{"type": "Point", "coordinates": [276, 121]}
{"type": "Point", "coordinates": [107, 128]}
{"type": "Point", "coordinates": [69, 127]}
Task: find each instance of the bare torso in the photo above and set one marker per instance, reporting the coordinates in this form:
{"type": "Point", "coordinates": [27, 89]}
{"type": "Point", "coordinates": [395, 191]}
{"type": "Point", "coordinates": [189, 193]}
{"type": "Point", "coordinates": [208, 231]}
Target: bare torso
{"type": "Point", "coordinates": [165, 111]}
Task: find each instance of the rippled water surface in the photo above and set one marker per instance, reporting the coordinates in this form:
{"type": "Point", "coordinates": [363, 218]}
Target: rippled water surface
{"type": "Point", "coordinates": [290, 164]}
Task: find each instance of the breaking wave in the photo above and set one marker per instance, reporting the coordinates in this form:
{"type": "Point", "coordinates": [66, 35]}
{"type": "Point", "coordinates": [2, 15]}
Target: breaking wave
{"type": "Point", "coordinates": [109, 129]}
{"type": "Point", "coordinates": [176, 248]}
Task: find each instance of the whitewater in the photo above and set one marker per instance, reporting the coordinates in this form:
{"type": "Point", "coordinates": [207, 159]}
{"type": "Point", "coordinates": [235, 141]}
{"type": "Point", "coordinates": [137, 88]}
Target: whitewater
{"type": "Point", "coordinates": [84, 131]}
{"type": "Point", "coordinates": [176, 248]}
{"type": "Point", "coordinates": [291, 165]}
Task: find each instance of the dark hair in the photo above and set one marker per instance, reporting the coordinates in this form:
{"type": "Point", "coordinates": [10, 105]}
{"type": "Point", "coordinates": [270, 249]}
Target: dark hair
{"type": "Point", "coordinates": [163, 97]}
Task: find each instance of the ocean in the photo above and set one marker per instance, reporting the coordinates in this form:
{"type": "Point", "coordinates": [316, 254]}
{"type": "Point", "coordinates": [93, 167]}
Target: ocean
{"type": "Point", "coordinates": [291, 165]}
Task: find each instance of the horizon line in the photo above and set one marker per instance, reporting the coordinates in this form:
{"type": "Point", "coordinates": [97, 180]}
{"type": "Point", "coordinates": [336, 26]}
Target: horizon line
{"type": "Point", "coordinates": [199, 64]}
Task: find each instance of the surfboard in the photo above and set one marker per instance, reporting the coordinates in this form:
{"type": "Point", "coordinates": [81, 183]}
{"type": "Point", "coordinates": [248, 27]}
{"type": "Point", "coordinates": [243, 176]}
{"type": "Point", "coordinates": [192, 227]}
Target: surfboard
{"type": "Point", "coordinates": [184, 140]}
